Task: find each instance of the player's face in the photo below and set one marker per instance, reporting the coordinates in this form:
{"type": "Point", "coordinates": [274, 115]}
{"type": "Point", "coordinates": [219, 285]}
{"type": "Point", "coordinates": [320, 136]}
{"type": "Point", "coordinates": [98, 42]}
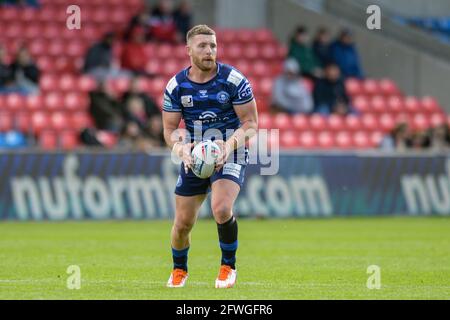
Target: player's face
{"type": "Point", "coordinates": [202, 49]}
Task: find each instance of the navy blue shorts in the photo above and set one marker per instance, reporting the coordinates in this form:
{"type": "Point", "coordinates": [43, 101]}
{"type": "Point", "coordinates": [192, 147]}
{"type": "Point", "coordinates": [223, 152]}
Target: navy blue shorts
{"type": "Point", "coordinates": [190, 185]}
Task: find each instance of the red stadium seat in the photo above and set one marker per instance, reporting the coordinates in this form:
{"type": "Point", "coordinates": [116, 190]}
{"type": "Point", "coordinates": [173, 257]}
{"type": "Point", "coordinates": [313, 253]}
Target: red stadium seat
{"type": "Point", "coordinates": [234, 52]}
{"type": "Point", "coordinates": [429, 104]}
{"type": "Point", "coordinates": [39, 121]}
{"type": "Point", "coordinates": [74, 101]}
{"type": "Point", "coordinates": [369, 121]}
{"type": "Point", "coordinates": [14, 102]}
{"type": "Point", "coordinates": [251, 51]}
{"type": "Point", "coordinates": [244, 36]}
{"type": "Point", "coordinates": [370, 87]}
{"type": "Point", "coordinates": [361, 103]}
{"type": "Point", "coordinates": [317, 122]}
{"type": "Point", "coordinates": [69, 139]}
{"type": "Point", "coordinates": [67, 82]}
{"type": "Point", "coordinates": [54, 101]}
{"type": "Point", "coordinates": [259, 68]}
{"type": "Point", "coordinates": [437, 119]}
{"type": "Point", "coordinates": [386, 122]}
{"type": "Point", "coordinates": [376, 137]}
{"type": "Point", "coordinates": [6, 121]}
{"type": "Point", "coordinates": [263, 36]}
{"type": "Point", "coordinates": [353, 87]}
{"type": "Point", "coordinates": [325, 140]}
{"type": "Point", "coordinates": [81, 120]}
{"type": "Point", "coordinates": [262, 105]}
{"type": "Point", "coordinates": [48, 82]}
{"type": "Point", "coordinates": [282, 121]}
{"type": "Point", "coordinates": [335, 122]}
{"type": "Point", "coordinates": [343, 140]}
{"type": "Point", "coordinates": [265, 86]}
{"type": "Point", "coordinates": [395, 104]}
{"type": "Point", "coordinates": [243, 66]}
{"type": "Point", "coordinates": [388, 87]}
{"type": "Point", "coordinates": [412, 104]}
{"type": "Point", "coordinates": [48, 140]}
{"type": "Point", "coordinates": [361, 140]}
{"type": "Point", "coordinates": [308, 140]}
{"type": "Point", "coordinates": [269, 51]}
{"type": "Point", "coordinates": [34, 102]}
{"type": "Point", "coordinates": [59, 121]}
{"type": "Point", "coordinates": [352, 122]}
{"type": "Point", "coordinates": [420, 122]}
{"type": "Point", "coordinates": [289, 140]}
{"type": "Point", "coordinates": [265, 121]}
{"type": "Point", "coordinates": [300, 122]}
{"type": "Point", "coordinates": [86, 83]}
{"type": "Point", "coordinates": [378, 104]}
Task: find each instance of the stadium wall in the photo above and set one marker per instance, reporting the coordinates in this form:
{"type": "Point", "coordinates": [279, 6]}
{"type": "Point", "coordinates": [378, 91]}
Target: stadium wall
{"type": "Point", "coordinates": [112, 185]}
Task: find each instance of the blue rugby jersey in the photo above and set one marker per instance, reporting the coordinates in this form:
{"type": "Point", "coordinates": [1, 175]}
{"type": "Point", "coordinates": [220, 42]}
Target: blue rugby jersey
{"type": "Point", "coordinates": [209, 105]}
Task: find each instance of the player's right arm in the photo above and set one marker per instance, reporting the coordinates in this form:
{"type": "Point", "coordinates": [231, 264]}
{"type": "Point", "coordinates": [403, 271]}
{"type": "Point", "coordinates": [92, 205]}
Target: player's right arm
{"type": "Point", "coordinates": [171, 120]}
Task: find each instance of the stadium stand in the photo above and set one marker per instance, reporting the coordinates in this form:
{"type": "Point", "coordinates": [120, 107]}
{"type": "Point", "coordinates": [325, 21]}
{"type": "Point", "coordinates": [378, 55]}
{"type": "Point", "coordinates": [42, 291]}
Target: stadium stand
{"type": "Point", "coordinates": [55, 117]}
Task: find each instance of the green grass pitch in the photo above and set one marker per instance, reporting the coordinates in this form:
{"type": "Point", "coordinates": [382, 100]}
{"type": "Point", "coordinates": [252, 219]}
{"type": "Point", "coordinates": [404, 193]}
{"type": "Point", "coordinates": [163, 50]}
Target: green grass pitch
{"type": "Point", "coordinates": [277, 259]}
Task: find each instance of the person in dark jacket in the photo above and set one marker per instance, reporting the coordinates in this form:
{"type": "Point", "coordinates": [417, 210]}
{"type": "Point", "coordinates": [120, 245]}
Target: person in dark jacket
{"type": "Point", "coordinates": [329, 93]}
{"type": "Point", "coordinates": [24, 72]}
{"type": "Point", "coordinates": [183, 18]}
{"type": "Point", "coordinates": [105, 109]}
{"type": "Point", "coordinates": [345, 55]}
{"type": "Point", "coordinates": [321, 46]}
{"type": "Point", "coordinates": [5, 69]}
{"type": "Point", "coordinates": [300, 50]}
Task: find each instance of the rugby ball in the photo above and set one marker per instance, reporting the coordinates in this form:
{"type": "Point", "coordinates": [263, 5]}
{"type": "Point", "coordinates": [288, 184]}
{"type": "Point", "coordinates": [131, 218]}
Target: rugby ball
{"type": "Point", "coordinates": [204, 158]}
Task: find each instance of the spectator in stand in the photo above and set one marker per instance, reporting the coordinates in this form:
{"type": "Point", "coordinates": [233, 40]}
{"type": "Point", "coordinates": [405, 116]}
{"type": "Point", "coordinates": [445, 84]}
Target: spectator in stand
{"type": "Point", "coordinates": [24, 73]}
{"type": "Point", "coordinates": [183, 18]}
{"type": "Point", "coordinates": [162, 23]}
{"type": "Point", "coordinates": [289, 94]}
{"type": "Point", "coordinates": [99, 61]}
{"type": "Point", "coordinates": [440, 138]}
{"type": "Point", "coordinates": [398, 140]}
{"type": "Point", "coordinates": [21, 3]}
{"type": "Point", "coordinates": [143, 110]}
{"type": "Point", "coordinates": [345, 55]}
{"type": "Point", "coordinates": [105, 109]}
{"type": "Point", "coordinates": [5, 69]}
{"type": "Point", "coordinates": [141, 19]}
{"type": "Point", "coordinates": [420, 140]}
{"type": "Point", "coordinates": [300, 50]}
{"type": "Point", "coordinates": [134, 56]}
{"type": "Point", "coordinates": [322, 47]}
{"type": "Point", "coordinates": [329, 93]}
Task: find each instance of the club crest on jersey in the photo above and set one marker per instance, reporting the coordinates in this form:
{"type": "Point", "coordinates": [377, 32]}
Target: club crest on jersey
{"type": "Point", "coordinates": [187, 101]}
{"type": "Point", "coordinates": [223, 97]}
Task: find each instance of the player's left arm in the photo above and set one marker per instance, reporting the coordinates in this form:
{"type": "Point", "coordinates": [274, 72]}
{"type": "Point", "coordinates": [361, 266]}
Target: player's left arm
{"type": "Point", "coordinates": [248, 116]}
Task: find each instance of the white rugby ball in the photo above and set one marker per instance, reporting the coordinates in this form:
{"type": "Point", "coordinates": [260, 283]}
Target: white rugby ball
{"type": "Point", "coordinates": [204, 156]}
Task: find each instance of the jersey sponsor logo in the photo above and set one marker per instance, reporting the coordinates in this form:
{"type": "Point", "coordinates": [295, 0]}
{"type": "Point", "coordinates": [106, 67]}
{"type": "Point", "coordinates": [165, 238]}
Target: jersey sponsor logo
{"type": "Point", "coordinates": [187, 101]}
{"type": "Point", "coordinates": [235, 77]}
{"type": "Point", "coordinates": [211, 117]}
{"type": "Point", "coordinates": [223, 97]}
{"type": "Point", "coordinates": [246, 91]}
{"type": "Point", "coordinates": [203, 93]}
{"type": "Point", "coordinates": [232, 169]}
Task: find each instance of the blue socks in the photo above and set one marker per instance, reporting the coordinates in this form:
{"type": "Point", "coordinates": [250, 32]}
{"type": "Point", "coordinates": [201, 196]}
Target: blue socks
{"type": "Point", "coordinates": [228, 233]}
{"type": "Point", "coordinates": [180, 258]}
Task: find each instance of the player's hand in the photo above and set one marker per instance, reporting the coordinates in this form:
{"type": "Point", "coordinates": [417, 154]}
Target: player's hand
{"type": "Point", "coordinates": [184, 152]}
{"type": "Point", "coordinates": [224, 154]}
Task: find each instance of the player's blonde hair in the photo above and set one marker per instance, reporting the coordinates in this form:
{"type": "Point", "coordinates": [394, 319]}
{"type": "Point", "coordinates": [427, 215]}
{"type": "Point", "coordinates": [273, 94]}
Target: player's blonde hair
{"type": "Point", "coordinates": [199, 29]}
